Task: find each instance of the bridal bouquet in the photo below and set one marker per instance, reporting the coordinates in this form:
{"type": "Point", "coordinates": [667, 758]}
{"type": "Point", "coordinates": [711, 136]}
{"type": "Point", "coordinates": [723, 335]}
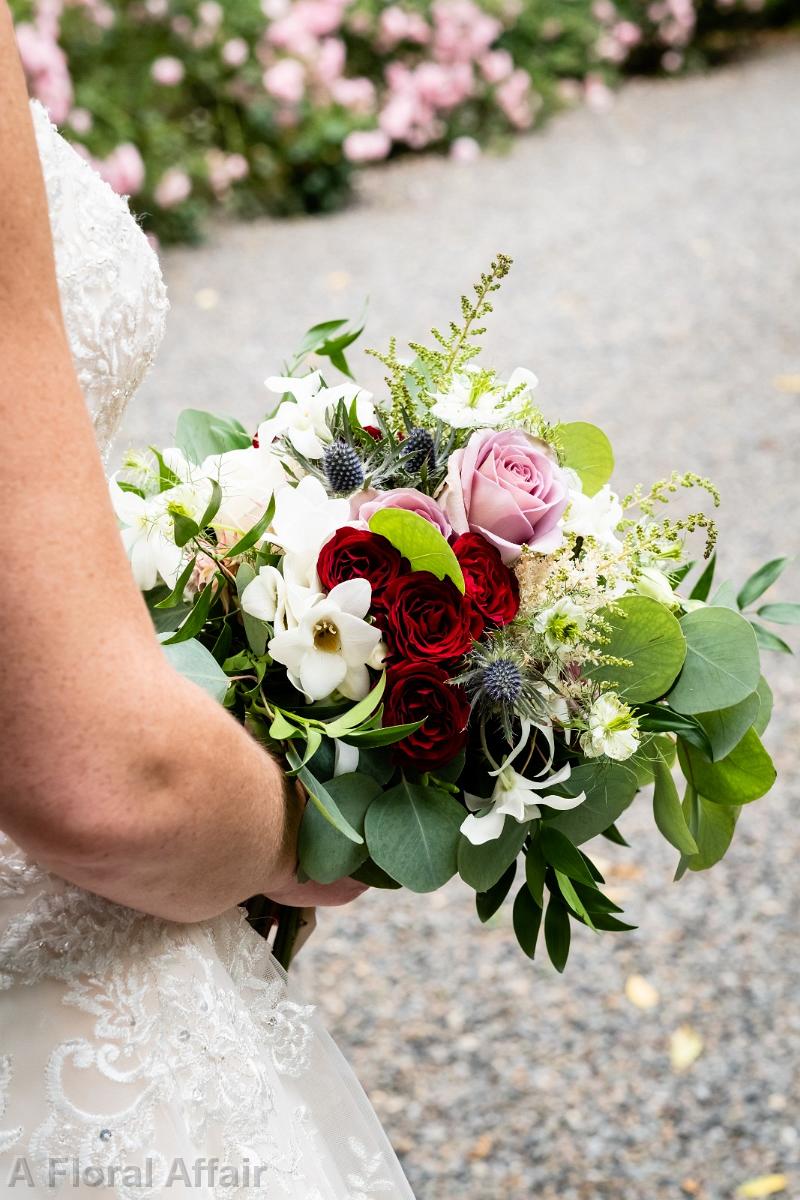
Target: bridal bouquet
{"type": "Point", "coordinates": [469, 650]}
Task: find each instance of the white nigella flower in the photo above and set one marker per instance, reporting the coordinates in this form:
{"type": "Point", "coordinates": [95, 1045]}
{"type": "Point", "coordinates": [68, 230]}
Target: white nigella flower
{"type": "Point", "coordinates": [305, 517]}
{"type": "Point", "coordinates": [654, 583]}
{"type": "Point", "coordinates": [612, 729]}
{"type": "Point", "coordinates": [303, 419]}
{"type": "Point", "coordinates": [332, 644]}
{"type": "Point", "coordinates": [475, 399]}
{"type": "Point", "coordinates": [562, 625]}
{"type": "Point", "coordinates": [517, 797]}
{"type": "Point", "coordinates": [148, 537]}
{"type": "Point", "coordinates": [595, 516]}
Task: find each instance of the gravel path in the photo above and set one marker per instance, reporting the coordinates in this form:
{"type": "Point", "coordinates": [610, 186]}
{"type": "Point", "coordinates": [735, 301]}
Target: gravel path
{"type": "Point", "coordinates": [656, 292]}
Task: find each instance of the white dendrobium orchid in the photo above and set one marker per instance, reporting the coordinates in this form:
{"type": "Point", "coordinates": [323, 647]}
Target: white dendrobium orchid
{"type": "Point", "coordinates": [517, 797]}
{"type": "Point", "coordinates": [562, 625]}
{"type": "Point", "coordinates": [249, 478]}
{"type": "Point", "coordinates": [595, 516]}
{"type": "Point", "coordinates": [476, 400]}
{"type": "Point", "coordinates": [271, 598]}
{"type": "Point", "coordinates": [148, 537]}
{"type": "Point", "coordinates": [612, 730]}
{"type": "Point", "coordinates": [332, 644]}
{"type": "Point", "coordinates": [305, 517]}
{"type": "Point", "coordinates": [303, 419]}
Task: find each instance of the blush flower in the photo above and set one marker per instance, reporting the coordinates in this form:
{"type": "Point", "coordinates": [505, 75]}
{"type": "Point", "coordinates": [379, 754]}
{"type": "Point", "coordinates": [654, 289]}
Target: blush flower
{"type": "Point", "coordinates": [509, 488]}
{"type": "Point", "coordinates": [408, 498]}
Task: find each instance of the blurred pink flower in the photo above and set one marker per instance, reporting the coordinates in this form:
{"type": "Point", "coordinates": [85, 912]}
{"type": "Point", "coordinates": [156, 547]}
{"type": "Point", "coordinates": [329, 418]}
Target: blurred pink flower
{"type": "Point", "coordinates": [123, 169]}
{"type": "Point", "coordinates": [235, 52]}
{"type": "Point", "coordinates": [210, 13]}
{"type": "Point", "coordinates": [496, 65]}
{"type": "Point", "coordinates": [329, 61]}
{"type": "Point", "coordinates": [515, 99]}
{"type": "Point", "coordinates": [173, 188]}
{"type": "Point", "coordinates": [45, 65]}
{"type": "Point", "coordinates": [81, 120]}
{"type": "Point", "coordinates": [398, 25]}
{"type": "Point", "coordinates": [462, 31]}
{"type": "Point", "coordinates": [356, 94]}
{"type": "Point", "coordinates": [465, 150]}
{"type": "Point", "coordinates": [286, 81]}
{"type": "Point", "coordinates": [366, 145]}
{"type": "Point", "coordinates": [597, 94]}
{"type": "Point", "coordinates": [168, 71]}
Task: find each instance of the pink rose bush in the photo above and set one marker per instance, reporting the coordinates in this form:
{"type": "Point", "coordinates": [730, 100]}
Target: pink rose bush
{"type": "Point", "coordinates": [272, 107]}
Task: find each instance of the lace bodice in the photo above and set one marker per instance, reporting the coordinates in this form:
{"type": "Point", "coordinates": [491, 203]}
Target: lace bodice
{"type": "Point", "coordinates": [112, 293]}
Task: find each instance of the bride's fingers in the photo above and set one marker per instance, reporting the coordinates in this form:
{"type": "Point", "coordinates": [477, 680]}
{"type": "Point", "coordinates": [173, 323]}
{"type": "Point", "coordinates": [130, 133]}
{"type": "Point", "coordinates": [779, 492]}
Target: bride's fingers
{"type": "Point", "coordinates": [320, 895]}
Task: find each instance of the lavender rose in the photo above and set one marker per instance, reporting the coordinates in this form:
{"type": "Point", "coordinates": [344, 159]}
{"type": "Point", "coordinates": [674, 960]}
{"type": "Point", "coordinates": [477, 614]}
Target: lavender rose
{"type": "Point", "coordinates": [509, 488]}
{"type": "Point", "coordinates": [408, 498]}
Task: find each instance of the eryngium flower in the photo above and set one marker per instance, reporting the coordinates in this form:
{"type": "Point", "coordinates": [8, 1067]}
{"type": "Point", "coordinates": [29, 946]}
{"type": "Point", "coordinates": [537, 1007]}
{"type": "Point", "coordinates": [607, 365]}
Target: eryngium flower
{"type": "Point", "coordinates": [343, 468]}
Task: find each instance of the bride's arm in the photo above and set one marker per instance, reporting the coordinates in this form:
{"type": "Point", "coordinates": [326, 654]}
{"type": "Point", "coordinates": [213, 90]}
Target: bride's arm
{"type": "Point", "coordinates": [115, 773]}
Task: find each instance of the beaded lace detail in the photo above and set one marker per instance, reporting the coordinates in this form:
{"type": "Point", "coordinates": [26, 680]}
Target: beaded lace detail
{"type": "Point", "coordinates": [112, 293]}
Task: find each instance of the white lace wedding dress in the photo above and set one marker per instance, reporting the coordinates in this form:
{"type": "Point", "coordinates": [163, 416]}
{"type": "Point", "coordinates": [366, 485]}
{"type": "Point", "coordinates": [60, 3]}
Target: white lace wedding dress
{"type": "Point", "coordinates": [145, 1056]}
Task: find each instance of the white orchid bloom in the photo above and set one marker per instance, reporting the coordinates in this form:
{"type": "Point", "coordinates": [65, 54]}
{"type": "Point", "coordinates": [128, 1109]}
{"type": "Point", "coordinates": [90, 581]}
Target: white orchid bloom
{"type": "Point", "coordinates": [148, 537]}
{"type": "Point", "coordinates": [280, 602]}
{"type": "Point", "coordinates": [517, 797]}
{"type": "Point", "coordinates": [304, 419]}
{"type": "Point", "coordinates": [612, 730]}
{"type": "Point", "coordinates": [330, 648]}
{"type": "Point", "coordinates": [305, 517]}
{"type": "Point", "coordinates": [474, 400]}
{"type": "Point", "coordinates": [595, 516]}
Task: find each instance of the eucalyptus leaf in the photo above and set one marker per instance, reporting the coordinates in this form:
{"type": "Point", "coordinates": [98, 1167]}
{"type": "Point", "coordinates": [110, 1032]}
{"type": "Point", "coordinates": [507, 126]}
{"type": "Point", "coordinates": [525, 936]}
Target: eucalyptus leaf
{"type": "Point", "coordinates": [727, 726]}
{"type": "Point", "coordinates": [419, 542]}
{"type": "Point", "coordinates": [746, 774]}
{"type": "Point", "coordinates": [320, 797]}
{"type": "Point", "coordinates": [722, 663]}
{"type": "Point", "coordinates": [660, 718]}
{"type": "Point", "coordinates": [765, 710]}
{"type": "Point", "coordinates": [373, 876]}
{"type": "Point", "coordinates": [713, 828]}
{"type": "Point", "coordinates": [201, 434]}
{"type": "Point", "coordinates": [413, 834]}
{"type": "Point", "coordinates": [668, 813]}
{"type": "Point", "coordinates": [587, 451]}
{"type": "Point", "coordinates": [646, 634]}
{"type": "Point", "coordinates": [325, 854]}
{"type": "Point", "coordinates": [482, 866]}
{"type": "Point", "coordinates": [527, 921]}
{"type": "Point", "coordinates": [761, 580]}
{"type": "Point", "coordinates": [725, 597]}
{"type": "Point", "coordinates": [192, 660]}
{"type": "Point", "coordinates": [609, 787]}
{"type": "Point", "coordinates": [781, 614]}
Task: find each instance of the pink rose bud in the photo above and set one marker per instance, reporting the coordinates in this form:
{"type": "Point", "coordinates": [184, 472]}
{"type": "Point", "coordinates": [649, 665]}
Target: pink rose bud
{"type": "Point", "coordinates": [286, 81]}
{"type": "Point", "coordinates": [407, 498]}
{"type": "Point", "coordinates": [173, 188]}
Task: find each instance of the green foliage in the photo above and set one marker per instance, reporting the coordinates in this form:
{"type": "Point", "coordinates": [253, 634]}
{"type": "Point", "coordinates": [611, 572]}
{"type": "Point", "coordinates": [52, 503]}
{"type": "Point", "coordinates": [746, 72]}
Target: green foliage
{"type": "Point", "coordinates": [419, 542]}
{"type": "Point", "coordinates": [194, 662]}
{"type": "Point", "coordinates": [722, 664]}
{"type": "Point", "coordinates": [413, 833]}
{"type": "Point", "coordinates": [326, 854]}
{"type": "Point", "coordinates": [667, 811]}
{"type": "Point", "coordinates": [746, 774]}
{"type": "Point", "coordinates": [482, 866]}
{"type": "Point", "coordinates": [610, 787]}
{"type": "Point", "coordinates": [487, 903]}
{"type": "Point", "coordinates": [646, 641]}
{"type": "Point", "coordinates": [587, 451]}
{"type": "Point", "coordinates": [527, 921]}
{"type": "Point", "coordinates": [201, 434]}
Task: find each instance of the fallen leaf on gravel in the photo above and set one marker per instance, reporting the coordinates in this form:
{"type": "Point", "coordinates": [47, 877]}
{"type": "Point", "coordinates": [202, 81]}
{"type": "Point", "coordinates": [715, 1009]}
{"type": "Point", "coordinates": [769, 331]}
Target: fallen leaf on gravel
{"type": "Point", "coordinates": [764, 1185]}
{"type": "Point", "coordinates": [641, 993]}
{"type": "Point", "coordinates": [685, 1046]}
{"type": "Point", "coordinates": [691, 1187]}
{"type": "Point", "coordinates": [788, 383]}
{"type": "Point", "coordinates": [483, 1147]}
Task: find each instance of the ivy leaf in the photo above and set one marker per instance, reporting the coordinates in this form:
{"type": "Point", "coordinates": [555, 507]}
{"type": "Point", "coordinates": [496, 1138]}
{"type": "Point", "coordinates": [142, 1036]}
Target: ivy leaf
{"type": "Point", "coordinates": [587, 451]}
{"type": "Point", "coordinates": [419, 542]}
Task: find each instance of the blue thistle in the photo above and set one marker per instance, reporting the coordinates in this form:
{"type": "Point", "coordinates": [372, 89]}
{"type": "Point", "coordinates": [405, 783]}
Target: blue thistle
{"type": "Point", "coordinates": [343, 468]}
{"type": "Point", "coordinates": [417, 450]}
{"type": "Point", "coordinates": [502, 681]}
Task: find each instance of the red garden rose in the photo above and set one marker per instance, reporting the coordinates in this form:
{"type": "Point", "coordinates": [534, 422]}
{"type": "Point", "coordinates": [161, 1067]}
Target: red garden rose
{"type": "Point", "coordinates": [359, 554]}
{"type": "Point", "coordinates": [417, 691]}
{"type": "Point", "coordinates": [426, 619]}
{"type": "Point", "coordinates": [491, 586]}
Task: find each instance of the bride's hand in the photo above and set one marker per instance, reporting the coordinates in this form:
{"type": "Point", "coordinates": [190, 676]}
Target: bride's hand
{"type": "Point", "coordinates": [318, 895]}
